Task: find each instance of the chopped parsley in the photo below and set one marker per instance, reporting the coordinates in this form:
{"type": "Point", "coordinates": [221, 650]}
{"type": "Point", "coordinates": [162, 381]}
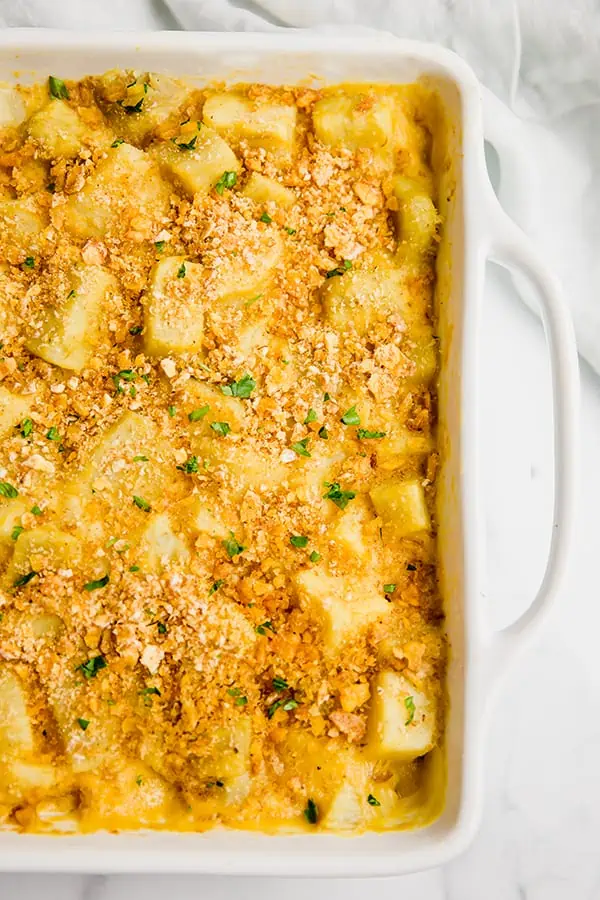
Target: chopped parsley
{"type": "Point", "coordinates": [232, 546]}
{"type": "Point", "coordinates": [36, 511]}
{"type": "Point", "coordinates": [290, 230]}
{"type": "Point", "coordinates": [24, 579]}
{"type": "Point", "coordinates": [242, 388]}
{"type": "Point", "coordinates": [57, 88]}
{"type": "Point", "coordinates": [148, 691]}
{"type": "Point", "coordinates": [315, 556]}
{"type": "Point", "coordinates": [351, 417]}
{"type": "Point", "coordinates": [160, 245]}
{"type": "Point", "coordinates": [138, 780]}
{"type": "Point", "coordinates": [99, 583]}
{"type": "Point", "coordinates": [389, 588]}
{"type": "Point", "coordinates": [339, 270]}
{"type": "Point", "coordinates": [373, 801]}
{"type": "Point", "coordinates": [123, 375]}
{"type": "Point", "coordinates": [240, 701]}
{"type": "Point", "coordinates": [253, 300]}
{"type": "Point", "coordinates": [301, 447]}
{"type": "Point", "coordinates": [266, 218]}
{"type": "Point", "coordinates": [141, 503]}
{"type": "Point", "coordinates": [117, 142]}
{"type": "Point", "coordinates": [196, 414]}
{"type": "Point", "coordinates": [162, 628]}
{"type": "Point", "coordinates": [134, 568]}
{"type": "Point", "coordinates": [326, 397]}
{"type": "Point", "coordinates": [181, 271]}
{"type": "Point", "coordinates": [285, 705]}
{"type": "Point", "coordinates": [311, 416]}
{"type": "Point", "coordinates": [190, 465]}
{"type": "Point", "coordinates": [26, 427]}
{"type": "Point", "coordinates": [29, 262]}
{"type": "Point", "coordinates": [364, 434]}
{"type": "Point", "coordinates": [323, 433]}
{"type": "Point", "coordinates": [298, 540]}
{"type": "Point", "coordinates": [83, 723]}
{"type": "Point", "coordinates": [172, 411]}
{"type": "Point", "coordinates": [262, 629]}
{"type": "Point", "coordinates": [53, 434]}
{"type": "Point", "coordinates": [337, 496]}
{"type": "Point", "coordinates": [135, 107]}
{"type": "Point", "coordinates": [280, 684]}
{"type": "Point", "coordinates": [7, 490]}
{"type": "Point", "coordinates": [186, 146]}
{"type": "Point", "coordinates": [410, 708]}
{"type": "Point", "coordinates": [220, 428]}
{"type": "Point", "coordinates": [140, 458]}
{"type": "Point", "coordinates": [227, 180]}
{"type": "Point", "coordinates": [91, 667]}
{"type": "Point", "coordinates": [17, 530]}
{"type": "Point", "coordinates": [137, 329]}
{"type": "Point", "coordinates": [311, 813]}
{"type": "Point", "coordinates": [215, 587]}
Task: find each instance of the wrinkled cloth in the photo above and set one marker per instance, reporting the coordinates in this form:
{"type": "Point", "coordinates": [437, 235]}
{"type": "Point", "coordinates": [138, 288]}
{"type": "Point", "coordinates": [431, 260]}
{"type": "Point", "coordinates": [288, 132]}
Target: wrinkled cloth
{"type": "Point", "coordinates": [541, 58]}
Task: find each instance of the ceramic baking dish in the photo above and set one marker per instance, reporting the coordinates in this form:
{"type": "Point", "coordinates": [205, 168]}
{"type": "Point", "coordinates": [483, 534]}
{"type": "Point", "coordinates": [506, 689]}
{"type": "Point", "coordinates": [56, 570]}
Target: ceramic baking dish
{"type": "Point", "coordinates": [476, 229]}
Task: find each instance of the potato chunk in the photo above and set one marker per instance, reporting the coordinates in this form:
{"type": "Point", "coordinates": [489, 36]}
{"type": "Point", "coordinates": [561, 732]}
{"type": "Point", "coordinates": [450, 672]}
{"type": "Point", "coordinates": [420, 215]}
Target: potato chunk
{"type": "Point", "coordinates": [70, 327]}
{"type": "Point", "coordinates": [367, 293]}
{"type": "Point", "coordinates": [12, 107]}
{"type": "Point", "coordinates": [43, 548]}
{"type": "Point", "coordinates": [417, 219]}
{"type": "Point", "coordinates": [344, 604]}
{"type": "Point", "coordinates": [268, 125]}
{"type": "Point", "coordinates": [197, 169]}
{"type": "Point", "coordinates": [16, 735]}
{"type": "Point", "coordinates": [125, 190]}
{"type": "Point", "coordinates": [262, 190]}
{"type": "Point", "coordinates": [22, 227]}
{"type": "Point", "coordinates": [57, 130]}
{"type": "Point", "coordinates": [402, 720]}
{"type": "Point", "coordinates": [401, 504]}
{"type": "Point", "coordinates": [160, 547]}
{"type": "Point", "coordinates": [359, 120]}
{"type": "Point", "coordinates": [148, 101]}
{"type": "Point", "coordinates": [173, 311]}
{"type": "Point", "coordinates": [13, 409]}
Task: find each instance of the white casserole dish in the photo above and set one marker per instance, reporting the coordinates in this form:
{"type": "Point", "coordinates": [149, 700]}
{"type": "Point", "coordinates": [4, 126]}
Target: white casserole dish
{"type": "Point", "coordinates": [476, 229]}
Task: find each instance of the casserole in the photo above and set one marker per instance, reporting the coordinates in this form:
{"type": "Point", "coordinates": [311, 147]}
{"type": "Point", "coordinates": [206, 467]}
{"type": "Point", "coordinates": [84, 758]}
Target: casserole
{"type": "Point", "coordinates": [476, 228]}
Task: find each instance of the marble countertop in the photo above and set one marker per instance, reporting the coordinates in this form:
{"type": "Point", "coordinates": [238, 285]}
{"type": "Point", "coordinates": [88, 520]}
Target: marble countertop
{"type": "Point", "coordinates": [540, 834]}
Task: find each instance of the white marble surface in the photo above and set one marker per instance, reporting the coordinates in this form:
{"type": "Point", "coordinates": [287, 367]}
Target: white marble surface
{"type": "Point", "coordinates": [540, 834]}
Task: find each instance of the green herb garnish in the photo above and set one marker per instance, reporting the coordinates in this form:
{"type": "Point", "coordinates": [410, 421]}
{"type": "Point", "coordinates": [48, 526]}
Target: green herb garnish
{"type": "Point", "coordinates": [215, 587]}
{"type": "Point", "coordinates": [138, 780]}
{"type": "Point", "coordinates": [140, 458]}
{"type": "Point", "coordinates": [339, 497]}
{"type": "Point", "coordinates": [83, 723]}
{"type": "Point", "coordinates": [7, 490]}
{"type": "Point", "coordinates": [323, 433]}
{"type": "Point", "coordinates": [181, 271]}
{"type": "Point", "coordinates": [233, 547]}
{"type": "Point", "coordinates": [311, 416]}
{"type": "Point", "coordinates": [311, 813]}
{"type": "Point", "coordinates": [262, 629]}
{"type": "Point", "coordinates": [240, 701]}
{"type": "Point", "coordinates": [266, 218]}
{"type": "Point", "coordinates": [148, 691]}
{"type": "Point", "coordinates": [364, 434]}
{"type": "Point", "coordinates": [162, 628]}
{"type": "Point", "coordinates": [53, 434]}
{"type": "Point", "coordinates": [24, 579]}
{"type": "Point", "coordinates": [190, 465]}
{"type": "Point", "coordinates": [298, 540]}
{"type": "Point", "coordinates": [315, 556]}
{"type": "Point", "coordinates": [220, 428]}
{"type": "Point", "coordinates": [290, 230]}
{"type": "Point", "coordinates": [91, 667]}
{"type": "Point", "coordinates": [99, 583]}
{"type": "Point", "coordinates": [339, 270]}
{"type": "Point", "coordinates": [117, 142]}
{"type": "Point", "coordinates": [351, 417]}
{"type": "Point", "coordinates": [242, 388]}
{"type": "Point", "coordinates": [134, 568]}
{"type": "Point", "coordinates": [373, 801]}
{"type": "Point", "coordinates": [160, 245]}
{"type": "Point", "coordinates": [280, 684]}
{"type": "Point", "coordinates": [17, 530]}
{"type": "Point", "coordinates": [389, 588]}
{"type": "Point", "coordinates": [36, 511]}
{"type": "Point", "coordinates": [141, 503]}
{"type": "Point", "coordinates": [301, 447]}
{"type": "Point", "coordinates": [26, 427]}
{"type": "Point", "coordinates": [29, 262]}
{"type": "Point", "coordinates": [57, 88]}
{"type": "Point", "coordinates": [172, 411]}
{"type": "Point", "coordinates": [411, 709]}
{"type": "Point", "coordinates": [190, 144]}
{"type": "Point", "coordinates": [227, 180]}
{"type": "Point", "coordinates": [137, 329]}
{"type": "Point", "coordinates": [196, 414]}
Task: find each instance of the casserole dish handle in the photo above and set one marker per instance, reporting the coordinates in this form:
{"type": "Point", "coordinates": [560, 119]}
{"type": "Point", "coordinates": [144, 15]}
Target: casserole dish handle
{"type": "Point", "coordinates": [511, 248]}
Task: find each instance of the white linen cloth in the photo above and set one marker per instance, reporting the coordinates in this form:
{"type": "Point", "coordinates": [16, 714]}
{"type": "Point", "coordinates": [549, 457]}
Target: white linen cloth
{"type": "Point", "coordinates": [541, 57]}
